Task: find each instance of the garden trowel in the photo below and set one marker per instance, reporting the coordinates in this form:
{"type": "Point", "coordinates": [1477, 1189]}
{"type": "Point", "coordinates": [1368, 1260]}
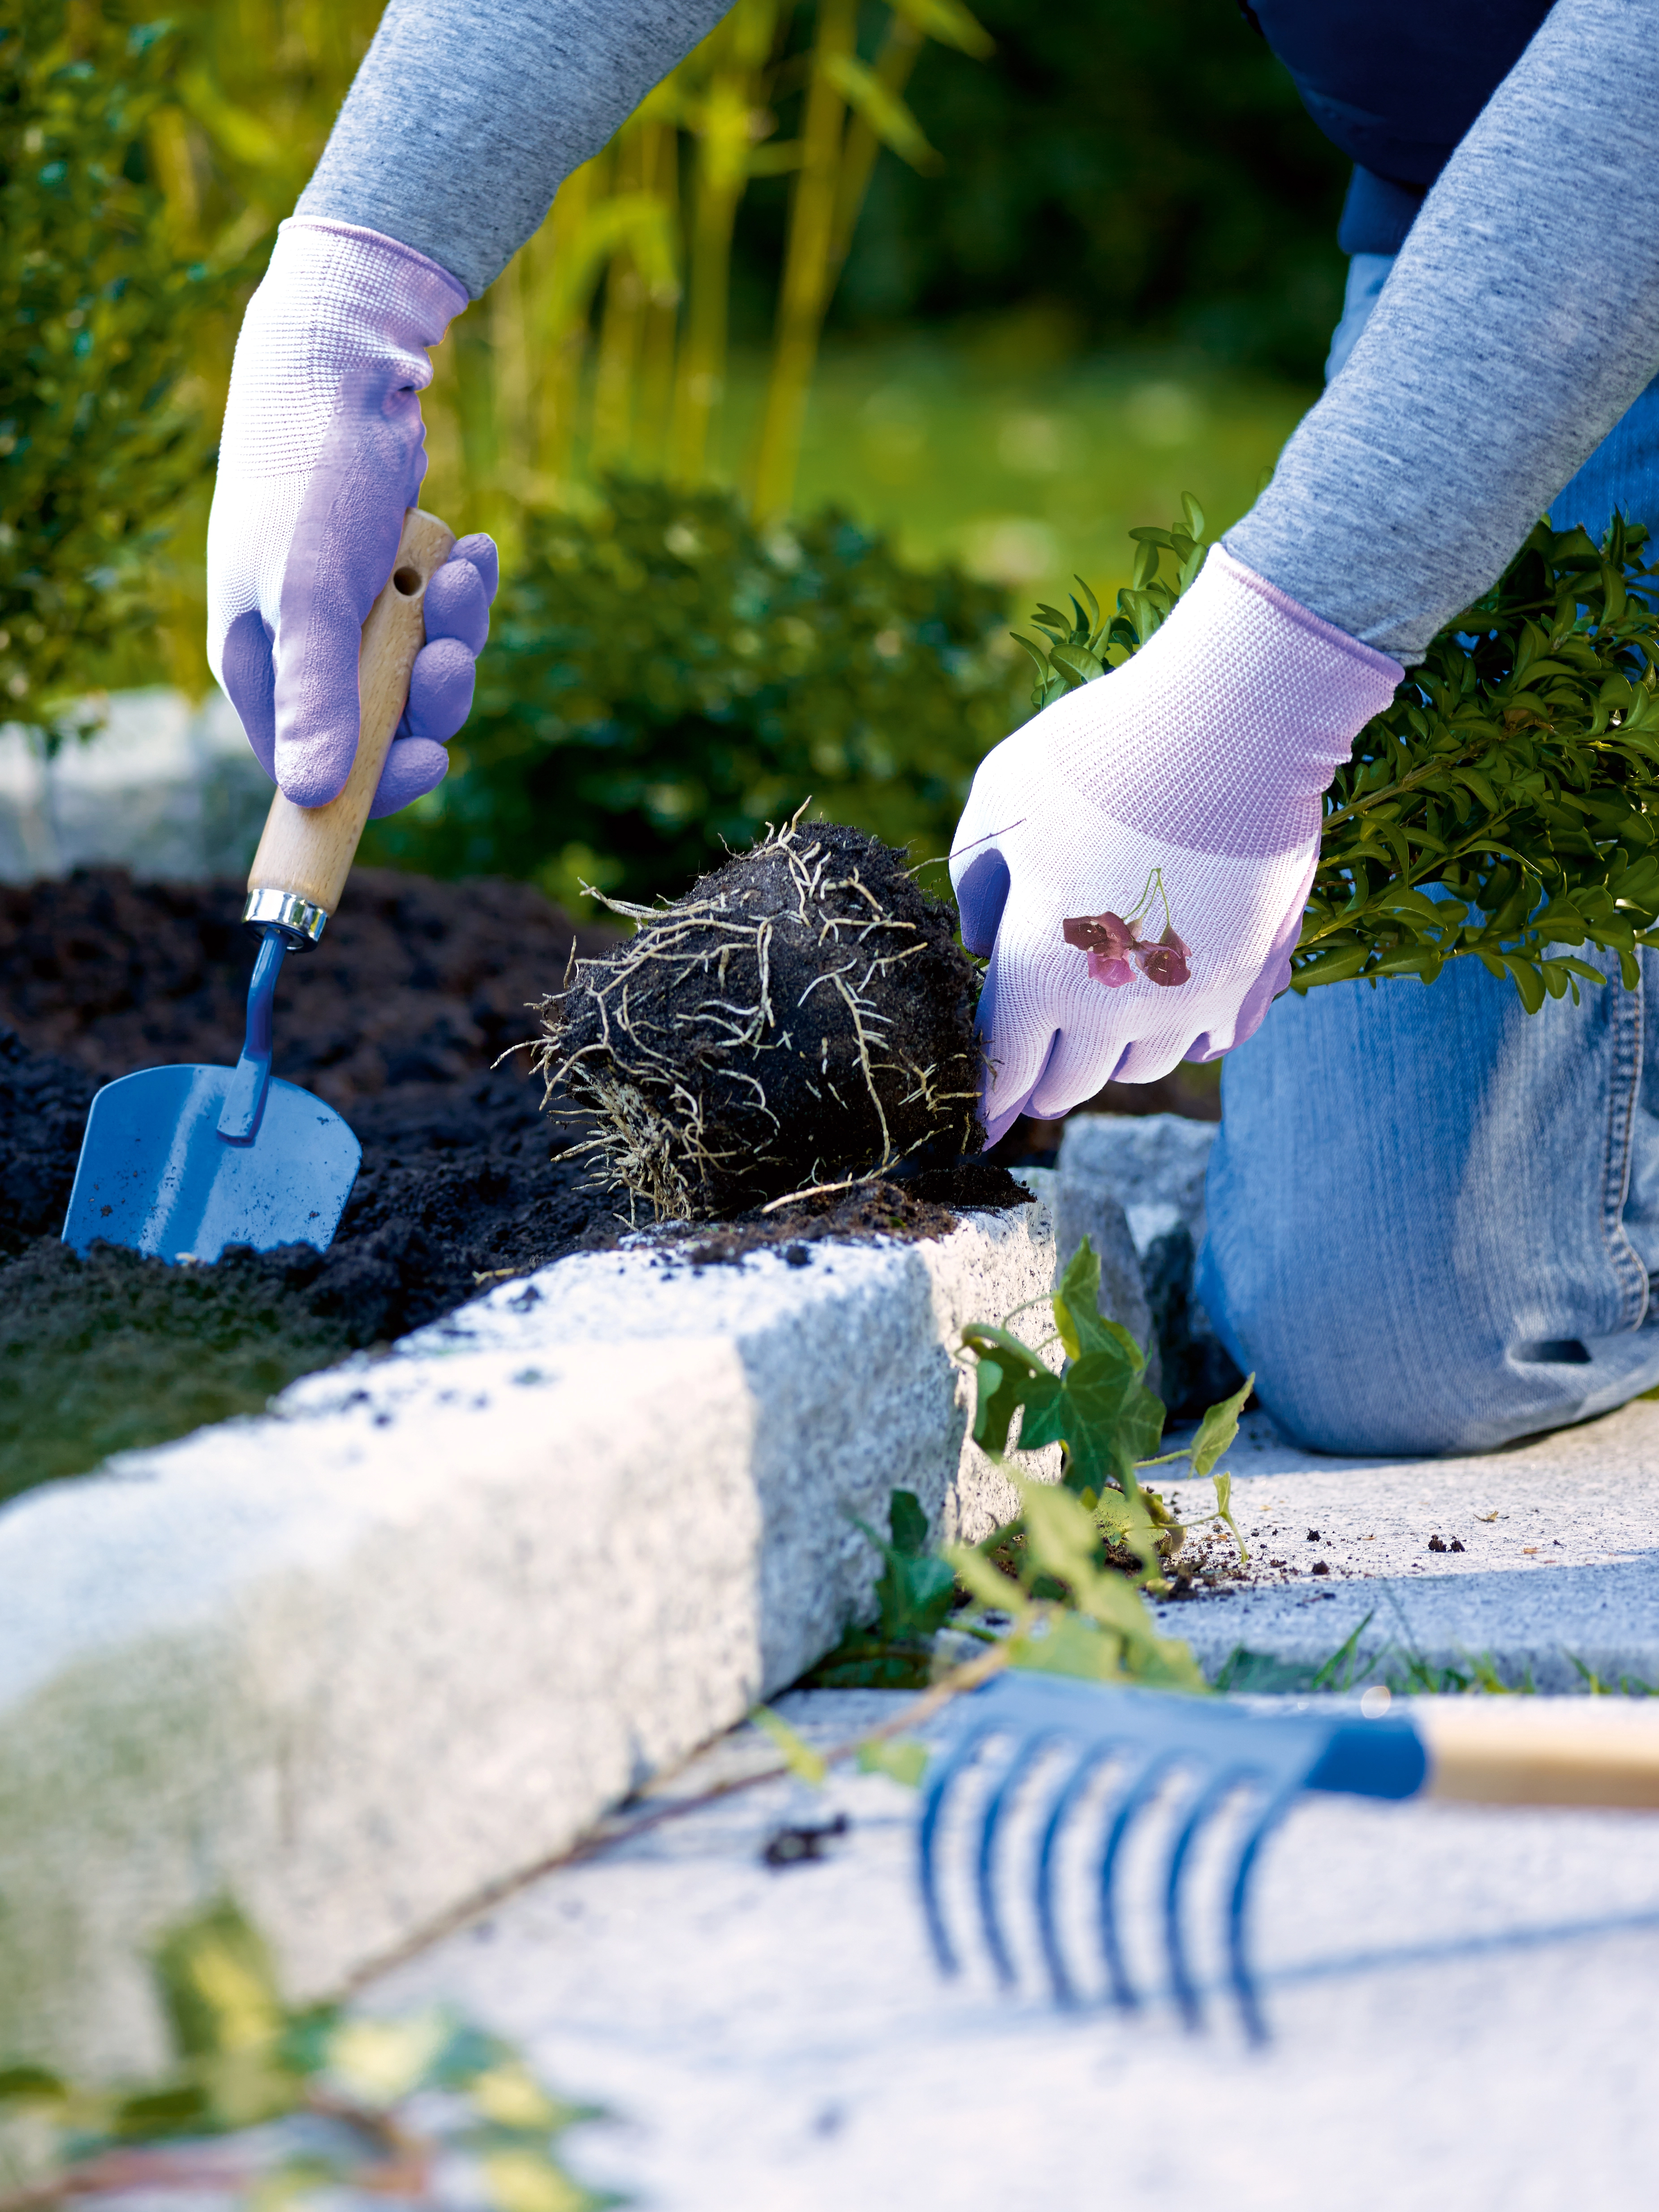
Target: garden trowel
{"type": "Point", "coordinates": [180, 1162]}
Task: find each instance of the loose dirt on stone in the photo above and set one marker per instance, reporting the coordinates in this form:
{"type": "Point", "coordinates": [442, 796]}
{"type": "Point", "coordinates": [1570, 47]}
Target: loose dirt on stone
{"type": "Point", "coordinates": [395, 1020]}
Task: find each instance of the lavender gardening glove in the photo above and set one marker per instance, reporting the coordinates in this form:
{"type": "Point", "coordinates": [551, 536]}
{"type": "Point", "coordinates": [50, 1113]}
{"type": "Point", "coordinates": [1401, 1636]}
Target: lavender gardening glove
{"type": "Point", "coordinates": [1136, 858]}
{"type": "Point", "coordinates": [322, 450]}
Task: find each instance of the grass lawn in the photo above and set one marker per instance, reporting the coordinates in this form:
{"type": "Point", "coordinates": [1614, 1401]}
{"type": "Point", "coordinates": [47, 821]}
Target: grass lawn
{"type": "Point", "coordinates": [1025, 476]}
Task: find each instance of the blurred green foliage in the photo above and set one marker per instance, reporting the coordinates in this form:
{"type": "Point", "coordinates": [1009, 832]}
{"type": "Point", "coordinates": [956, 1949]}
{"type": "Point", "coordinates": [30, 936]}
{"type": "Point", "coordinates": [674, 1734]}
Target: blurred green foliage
{"type": "Point", "coordinates": [663, 679]}
{"type": "Point", "coordinates": [1127, 171]}
{"type": "Point", "coordinates": [98, 308]}
{"type": "Point", "coordinates": [270, 2104]}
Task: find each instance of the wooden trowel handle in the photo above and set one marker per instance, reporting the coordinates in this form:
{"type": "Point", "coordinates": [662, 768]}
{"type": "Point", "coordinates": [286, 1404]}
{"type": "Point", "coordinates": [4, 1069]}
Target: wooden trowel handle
{"type": "Point", "coordinates": [306, 853]}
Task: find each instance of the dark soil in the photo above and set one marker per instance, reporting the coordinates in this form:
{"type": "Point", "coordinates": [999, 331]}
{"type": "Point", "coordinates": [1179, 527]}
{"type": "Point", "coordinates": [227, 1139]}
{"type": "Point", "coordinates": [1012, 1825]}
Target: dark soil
{"type": "Point", "coordinates": [803, 1015]}
{"type": "Point", "coordinates": [395, 1020]}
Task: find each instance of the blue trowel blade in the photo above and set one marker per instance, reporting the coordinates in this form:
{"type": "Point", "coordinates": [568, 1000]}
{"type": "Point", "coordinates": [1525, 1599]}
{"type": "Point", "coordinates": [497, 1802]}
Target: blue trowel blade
{"type": "Point", "coordinates": [156, 1175]}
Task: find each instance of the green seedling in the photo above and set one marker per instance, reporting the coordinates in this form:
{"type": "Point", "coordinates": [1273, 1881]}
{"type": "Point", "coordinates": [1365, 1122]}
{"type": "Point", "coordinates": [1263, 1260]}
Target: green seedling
{"type": "Point", "coordinates": [913, 1596]}
{"type": "Point", "coordinates": [1099, 1410]}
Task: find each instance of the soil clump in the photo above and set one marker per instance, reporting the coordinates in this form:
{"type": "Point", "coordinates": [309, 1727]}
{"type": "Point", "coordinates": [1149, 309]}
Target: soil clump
{"type": "Point", "coordinates": [802, 1016]}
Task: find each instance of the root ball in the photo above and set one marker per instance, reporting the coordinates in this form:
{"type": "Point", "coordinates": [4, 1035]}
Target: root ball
{"type": "Point", "coordinates": [804, 1016]}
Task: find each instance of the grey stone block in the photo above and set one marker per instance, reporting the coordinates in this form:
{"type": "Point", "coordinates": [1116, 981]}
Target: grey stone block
{"type": "Point", "coordinates": [1143, 1159]}
{"type": "Point", "coordinates": [1152, 1168]}
{"type": "Point", "coordinates": [359, 1660]}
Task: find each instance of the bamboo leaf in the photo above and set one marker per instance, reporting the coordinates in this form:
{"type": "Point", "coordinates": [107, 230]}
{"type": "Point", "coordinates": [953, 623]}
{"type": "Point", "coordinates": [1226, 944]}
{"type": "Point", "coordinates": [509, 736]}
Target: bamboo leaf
{"type": "Point", "coordinates": [883, 110]}
{"type": "Point", "coordinates": [948, 23]}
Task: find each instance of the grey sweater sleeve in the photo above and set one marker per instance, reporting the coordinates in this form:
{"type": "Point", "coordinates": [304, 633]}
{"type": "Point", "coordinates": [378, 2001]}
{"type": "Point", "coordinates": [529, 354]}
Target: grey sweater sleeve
{"type": "Point", "coordinates": [1521, 320]}
{"type": "Point", "coordinates": [468, 115]}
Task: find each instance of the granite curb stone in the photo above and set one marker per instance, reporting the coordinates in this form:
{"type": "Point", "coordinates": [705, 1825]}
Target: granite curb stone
{"type": "Point", "coordinates": [358, 1660]}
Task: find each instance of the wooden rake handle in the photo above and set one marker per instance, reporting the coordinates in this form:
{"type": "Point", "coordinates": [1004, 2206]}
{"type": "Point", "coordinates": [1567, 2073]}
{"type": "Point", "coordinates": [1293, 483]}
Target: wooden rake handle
{"type": "Point", "coordinates": [306, 853]}
{"type": "Point", "coordinates": [1513, 1750]}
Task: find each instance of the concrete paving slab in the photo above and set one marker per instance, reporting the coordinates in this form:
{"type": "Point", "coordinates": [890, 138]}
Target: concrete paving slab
{"type": "Point", "coordinates": [166, 787]}
{"type": "Point", "coordinates": [1462, 2003]}
{"type": "Point", "coordinates": [1548, 1554]}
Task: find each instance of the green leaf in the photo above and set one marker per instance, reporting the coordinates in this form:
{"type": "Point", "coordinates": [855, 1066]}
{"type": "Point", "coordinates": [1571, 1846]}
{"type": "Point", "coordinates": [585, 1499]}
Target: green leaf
{"type": "Point", "coordinates": [798, 1756]}
{"type": "Point", "coordinates": [1219, 1427]}
{"type": "Point", "coordinates": [908, 1523]}
{"type": "Point", "coordinates": [901, 1759]}
{"type": "Point", "coordinates": [217, 1984]}
{"type": "Point", "coordinates": [914, 1591]}
{"type": "Point", "coordinates": [1009, 1377]}
{"type": "Point", "coordinates": [32, 2085]}
{"type": "Point", "coordinates": [988, 1585]}
{"type": "Point", "coordinates": [1076, 662]}
{"type": "Point", "coordinates": [1072, 1644]}
{"type": "Point", "coordinates": [949, 23]}
{"type": "Point", "coordinates": [1223, 1506]}
{"type": "Point", "coordinates": [1082, 1325]}
{"type": "Point", "coordinates": [524, 2179]}
{"type": "Point", "coordinates": [881, 108]}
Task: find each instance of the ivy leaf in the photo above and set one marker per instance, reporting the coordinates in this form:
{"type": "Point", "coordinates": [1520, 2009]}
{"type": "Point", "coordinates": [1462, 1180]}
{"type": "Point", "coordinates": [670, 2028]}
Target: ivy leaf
{"type": "Point", "coordinates": [988, 1585]}
{"type": "Point", "coordinates": [1082, 1325]}
{"type": "Point", "coordinates": [1219, 1427]}
{"type": "Point", "coordinates": [914, 1588]}
{"type": "Point", "coordinates": [1223, 1506]}
{"type": "Point", "coordinates": [1010, 1375]}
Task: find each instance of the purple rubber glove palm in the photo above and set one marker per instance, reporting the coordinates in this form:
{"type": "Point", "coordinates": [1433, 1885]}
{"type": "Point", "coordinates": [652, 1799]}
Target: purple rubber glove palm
{"type": "Point", "coordinates": [1137, 858]}
{"type": "Point", "coordinates": [322, 450]}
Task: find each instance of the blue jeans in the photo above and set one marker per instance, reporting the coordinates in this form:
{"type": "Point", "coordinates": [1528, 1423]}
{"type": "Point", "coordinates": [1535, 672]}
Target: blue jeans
{"type": "Point", "coordinates": [1434, 1218]}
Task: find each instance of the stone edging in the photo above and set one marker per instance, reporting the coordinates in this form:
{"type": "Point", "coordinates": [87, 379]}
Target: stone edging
{"type": "Point", "coordinates": [361, 1658]}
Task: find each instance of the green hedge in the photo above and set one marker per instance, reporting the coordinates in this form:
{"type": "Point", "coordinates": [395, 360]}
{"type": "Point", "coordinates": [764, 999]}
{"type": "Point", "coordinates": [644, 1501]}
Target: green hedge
{"type": "Point", "coordinates": [97, 313]}
{"type": "Point", "coordinates": [662, 681]}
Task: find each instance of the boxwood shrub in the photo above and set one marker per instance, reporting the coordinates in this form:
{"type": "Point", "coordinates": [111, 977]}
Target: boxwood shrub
{"type": "Point", "coordinates": [662, 680]}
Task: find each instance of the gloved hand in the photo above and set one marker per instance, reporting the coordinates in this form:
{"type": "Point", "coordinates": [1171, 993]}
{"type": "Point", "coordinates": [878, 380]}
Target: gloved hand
{"type": "Point", "coordinates": [323, 449]}
{"type": "Point", "coordinates": [1137, 858]}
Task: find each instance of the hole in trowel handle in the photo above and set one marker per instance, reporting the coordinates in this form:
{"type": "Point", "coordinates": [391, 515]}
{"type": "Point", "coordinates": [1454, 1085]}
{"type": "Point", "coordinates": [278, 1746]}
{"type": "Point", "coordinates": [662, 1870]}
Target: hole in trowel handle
{"type": "Point", "coordinates": [408, 580]}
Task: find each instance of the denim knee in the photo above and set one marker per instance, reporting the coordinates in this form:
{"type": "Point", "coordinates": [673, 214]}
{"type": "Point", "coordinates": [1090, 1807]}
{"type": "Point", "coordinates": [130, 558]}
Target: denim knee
{"type": "Point", "coordinates": [1416, 1210]}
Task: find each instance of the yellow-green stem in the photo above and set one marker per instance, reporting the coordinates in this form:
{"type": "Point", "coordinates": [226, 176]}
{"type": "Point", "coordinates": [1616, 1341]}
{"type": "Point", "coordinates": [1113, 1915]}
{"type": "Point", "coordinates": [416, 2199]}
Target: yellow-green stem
{"type": "Point", "coordinates": [893, 65]}
{"type": "Point", "coordinates": [722, 172]}
{"type": "Point", "coordinates": [622, 325]}
{"type": "Point", "coordinates": [806, 272]}
{"type": "Point", "coordinates": [660, 174]}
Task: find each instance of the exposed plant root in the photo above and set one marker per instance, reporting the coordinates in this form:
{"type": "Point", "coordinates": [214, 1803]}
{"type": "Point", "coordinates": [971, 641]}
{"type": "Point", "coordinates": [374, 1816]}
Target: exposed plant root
{"type": "Point", "coordinates": [802, 1017]}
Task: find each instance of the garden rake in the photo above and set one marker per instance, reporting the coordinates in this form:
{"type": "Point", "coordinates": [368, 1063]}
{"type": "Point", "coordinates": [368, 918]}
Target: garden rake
{"type": "Point", "coordinates": [1143, 1744]}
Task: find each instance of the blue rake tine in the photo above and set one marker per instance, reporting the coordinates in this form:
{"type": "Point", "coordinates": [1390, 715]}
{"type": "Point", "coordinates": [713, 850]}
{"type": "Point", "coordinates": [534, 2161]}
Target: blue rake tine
{"type": "Point", "coordinates": [1141, 1790]}
{"type": "Point", "coordinates": [1027, 1751]}
{"type": "Point", "coordinates": [1238, 1963]}
{"type": "Point", "coordinates": [1076, 1782]}
{"type": "Point", "coordinates": [966, 1752]}
{"type": "Point", "coordinates": [1205, 1806]}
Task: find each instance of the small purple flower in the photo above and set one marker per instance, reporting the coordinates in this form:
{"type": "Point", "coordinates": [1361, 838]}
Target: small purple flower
{"type": "Point", "coordinates": [1114, 944]}
{"type": "Point", "coordinates": [1108, 934]}
{"type": "Point", "coordinates": [1168, 962]}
